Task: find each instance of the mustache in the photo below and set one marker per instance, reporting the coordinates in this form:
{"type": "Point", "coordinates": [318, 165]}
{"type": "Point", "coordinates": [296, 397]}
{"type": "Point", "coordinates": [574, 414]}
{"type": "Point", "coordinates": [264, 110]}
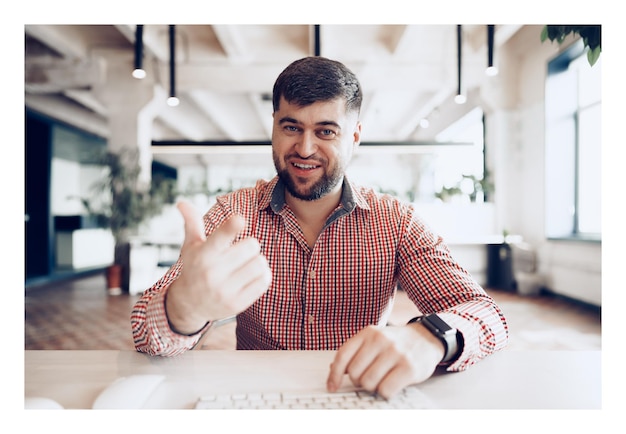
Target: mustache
{"type": "Point", "coordinates": [311, 158]}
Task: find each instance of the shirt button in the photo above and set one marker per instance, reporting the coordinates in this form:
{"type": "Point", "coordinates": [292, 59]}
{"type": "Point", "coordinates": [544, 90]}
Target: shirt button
{"type": "Point", "coordinates": [312, 274]}
{"type": "Point", "coordinates": [311, 319]}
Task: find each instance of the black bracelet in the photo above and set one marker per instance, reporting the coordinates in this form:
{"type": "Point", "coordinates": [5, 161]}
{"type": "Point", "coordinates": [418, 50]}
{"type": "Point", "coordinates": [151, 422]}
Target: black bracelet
{"type": "Point", "coordinates": [186, 334]}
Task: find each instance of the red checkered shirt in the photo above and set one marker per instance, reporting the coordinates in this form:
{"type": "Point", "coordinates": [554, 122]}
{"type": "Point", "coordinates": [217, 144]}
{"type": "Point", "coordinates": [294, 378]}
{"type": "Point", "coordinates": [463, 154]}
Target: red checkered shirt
{"type": "Point", "coordinates": [321, 296]}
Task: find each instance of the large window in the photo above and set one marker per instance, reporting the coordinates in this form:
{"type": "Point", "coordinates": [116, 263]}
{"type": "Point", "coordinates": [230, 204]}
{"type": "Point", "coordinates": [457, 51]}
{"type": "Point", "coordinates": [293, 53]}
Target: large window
{"type": "Point", "coordinates": [573, 147]}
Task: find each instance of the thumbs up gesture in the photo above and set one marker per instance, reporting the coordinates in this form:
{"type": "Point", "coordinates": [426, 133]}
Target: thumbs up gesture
{"type": "Point", "coordinates": [218, 279]}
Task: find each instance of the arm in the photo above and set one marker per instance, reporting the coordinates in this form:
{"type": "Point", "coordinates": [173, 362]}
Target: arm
{"type": "Point", "coordinates": [436, 283]}
{"type": "Point", "coordinates": [218, 279]}
{"type": "Point", "coordinates": [388, 359]}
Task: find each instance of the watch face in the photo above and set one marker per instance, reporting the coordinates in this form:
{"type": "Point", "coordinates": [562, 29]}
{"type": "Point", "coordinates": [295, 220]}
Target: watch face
{"type": "Point", "coordinates": [440, 325]}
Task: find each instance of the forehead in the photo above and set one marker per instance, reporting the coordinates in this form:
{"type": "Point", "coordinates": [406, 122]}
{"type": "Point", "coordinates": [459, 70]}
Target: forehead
{"type": "Point", "coordinates": [334, 110]}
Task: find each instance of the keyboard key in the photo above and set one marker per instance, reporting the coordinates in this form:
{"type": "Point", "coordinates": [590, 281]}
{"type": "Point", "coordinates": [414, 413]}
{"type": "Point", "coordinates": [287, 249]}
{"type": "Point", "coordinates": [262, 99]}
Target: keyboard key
{"type": "Point", "coordinates": [410, 397]}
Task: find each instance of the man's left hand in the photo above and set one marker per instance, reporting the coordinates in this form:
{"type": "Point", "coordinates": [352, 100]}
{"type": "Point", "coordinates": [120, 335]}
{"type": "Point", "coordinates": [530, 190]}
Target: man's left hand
{"type": "Point", "coordinates": [386, 359]}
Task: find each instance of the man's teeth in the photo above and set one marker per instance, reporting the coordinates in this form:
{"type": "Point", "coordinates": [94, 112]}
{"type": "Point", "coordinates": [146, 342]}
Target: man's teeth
{"type": "Point", "coordinates": [304, 166]}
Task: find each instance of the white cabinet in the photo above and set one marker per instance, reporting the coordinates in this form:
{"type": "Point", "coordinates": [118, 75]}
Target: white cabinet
{"type": "Point", "coordinates": [84, 248]}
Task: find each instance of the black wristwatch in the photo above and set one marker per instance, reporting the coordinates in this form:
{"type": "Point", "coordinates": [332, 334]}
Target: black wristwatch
{"type": "Point", "coordinates": [450, 337]}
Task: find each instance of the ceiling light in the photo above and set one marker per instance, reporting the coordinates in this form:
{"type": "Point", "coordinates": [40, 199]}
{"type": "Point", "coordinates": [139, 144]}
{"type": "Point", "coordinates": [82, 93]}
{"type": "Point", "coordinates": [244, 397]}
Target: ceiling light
{"type": "Point", "coordinates": [139, 72]}
{"type": "Point", "coordinates": [172, 101]}
{"type": "Point", "coordinates": [491, 68]}
{"type": "Point", "coordinates": [459, 98]}
{"type": "Point", "coordinates": [491, 71]}
{"type": "Point", "coordinates": [317, 48]}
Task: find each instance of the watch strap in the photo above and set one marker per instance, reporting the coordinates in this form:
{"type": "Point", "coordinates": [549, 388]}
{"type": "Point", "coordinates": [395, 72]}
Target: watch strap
{"type": "Point", "coordinates": [449, 336]}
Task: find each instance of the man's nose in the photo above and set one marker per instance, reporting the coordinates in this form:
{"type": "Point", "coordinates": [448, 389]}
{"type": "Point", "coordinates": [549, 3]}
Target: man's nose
{"type": "Point", "coordinates": [306, 146]}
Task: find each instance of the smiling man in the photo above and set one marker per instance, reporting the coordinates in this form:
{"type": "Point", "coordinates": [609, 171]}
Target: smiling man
{"type": "Point", "coordinates": [310, 261]}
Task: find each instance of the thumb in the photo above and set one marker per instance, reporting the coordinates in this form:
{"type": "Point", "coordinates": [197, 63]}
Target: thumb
{"type": "Point", "coordinates": [194, 223]}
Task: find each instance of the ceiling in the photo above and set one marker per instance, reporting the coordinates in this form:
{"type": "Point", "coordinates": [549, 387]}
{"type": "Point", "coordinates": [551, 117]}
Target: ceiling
{"type": "Point", "coordinates": [224, 76]}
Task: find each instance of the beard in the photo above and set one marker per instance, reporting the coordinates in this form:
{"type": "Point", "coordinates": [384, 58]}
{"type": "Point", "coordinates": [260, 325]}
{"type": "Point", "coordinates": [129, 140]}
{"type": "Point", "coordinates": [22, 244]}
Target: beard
{"type": "Point", "coordinates": [331, 177]}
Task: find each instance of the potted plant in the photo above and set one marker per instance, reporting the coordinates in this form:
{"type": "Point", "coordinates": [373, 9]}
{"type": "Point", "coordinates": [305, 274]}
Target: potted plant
{"type": "Point", "coordinates": [122, 204]}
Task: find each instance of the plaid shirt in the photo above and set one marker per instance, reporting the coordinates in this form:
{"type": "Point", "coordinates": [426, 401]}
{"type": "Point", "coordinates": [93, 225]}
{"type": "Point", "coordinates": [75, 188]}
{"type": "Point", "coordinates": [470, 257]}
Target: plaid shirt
{"type": "Point", "coordinates": [321, 296]}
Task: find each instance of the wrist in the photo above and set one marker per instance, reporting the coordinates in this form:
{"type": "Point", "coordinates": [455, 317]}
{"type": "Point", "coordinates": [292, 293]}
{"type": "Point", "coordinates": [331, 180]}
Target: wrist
{"type": "Point", "coordinates": [436, 348]}
{"type": "Point", "coordinates": [181, 323]}
{"type": "Point", "coordinates": [449, 338]}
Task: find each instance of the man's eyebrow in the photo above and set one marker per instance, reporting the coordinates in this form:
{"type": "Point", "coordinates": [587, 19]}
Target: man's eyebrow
{"type": "Point", "coordinates": [287, 119]}
{"type": "Point", "coordinates": [331, 123]}
{"type": "Point", "coordinates": [291, 120]}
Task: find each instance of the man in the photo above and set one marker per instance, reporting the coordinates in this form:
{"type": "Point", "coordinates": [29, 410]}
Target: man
{"type": "Point", "coordinates": [309, 261]}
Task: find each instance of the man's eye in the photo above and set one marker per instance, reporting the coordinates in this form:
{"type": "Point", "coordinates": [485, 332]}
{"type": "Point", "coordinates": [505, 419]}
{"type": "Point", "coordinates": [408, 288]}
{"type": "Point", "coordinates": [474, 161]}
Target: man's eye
{"type": "Point", "coordinates": [291, 128]}
{"type": "Point", "coordinates": [327, 133]}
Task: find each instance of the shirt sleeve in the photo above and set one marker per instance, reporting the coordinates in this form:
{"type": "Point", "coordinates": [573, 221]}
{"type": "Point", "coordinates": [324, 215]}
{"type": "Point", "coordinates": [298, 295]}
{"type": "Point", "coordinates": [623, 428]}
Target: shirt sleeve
{"type": "Point", "coordinates": [436, 283]}
{"type": "Point", "coordinates": [151, 330]}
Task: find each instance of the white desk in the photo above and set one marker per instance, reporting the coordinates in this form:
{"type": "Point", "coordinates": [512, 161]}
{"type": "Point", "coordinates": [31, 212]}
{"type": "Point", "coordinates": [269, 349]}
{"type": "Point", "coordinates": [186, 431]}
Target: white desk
{"type": "Point", "coordinates": [506, 380]}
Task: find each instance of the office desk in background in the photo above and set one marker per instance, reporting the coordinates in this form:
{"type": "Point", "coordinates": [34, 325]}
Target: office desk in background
{"type": "Point", "coordinates": [505, 380]}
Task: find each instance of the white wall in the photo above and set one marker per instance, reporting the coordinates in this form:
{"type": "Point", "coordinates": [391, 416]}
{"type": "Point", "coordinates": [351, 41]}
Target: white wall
{"type": "Point", "coordinates": [517, 144]}
{"type": "Point", "coordinates": [71, 181]}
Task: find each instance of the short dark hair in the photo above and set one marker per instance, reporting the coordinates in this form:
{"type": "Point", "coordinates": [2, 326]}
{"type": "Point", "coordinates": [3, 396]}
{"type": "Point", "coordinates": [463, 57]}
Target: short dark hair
{"type": "Point", "coordinates": [314, 79]}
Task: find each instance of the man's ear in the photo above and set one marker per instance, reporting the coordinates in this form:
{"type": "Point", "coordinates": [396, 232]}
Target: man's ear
{"type": "Point", "coordinates": [357, 134]}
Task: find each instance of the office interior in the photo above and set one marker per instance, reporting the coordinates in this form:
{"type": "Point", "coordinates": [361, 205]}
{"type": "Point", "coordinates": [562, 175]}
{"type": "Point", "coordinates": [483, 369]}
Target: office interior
{"type": "Point", "coordinates": [517, 163]}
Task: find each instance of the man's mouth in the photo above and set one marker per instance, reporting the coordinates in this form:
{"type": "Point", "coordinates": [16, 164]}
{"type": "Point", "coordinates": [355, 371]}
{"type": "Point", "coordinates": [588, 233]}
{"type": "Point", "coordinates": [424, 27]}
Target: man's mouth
{"type": "Point", "coordinates": [304, 166]}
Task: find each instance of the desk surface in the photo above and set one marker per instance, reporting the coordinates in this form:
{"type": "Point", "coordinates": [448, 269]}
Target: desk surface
{"type": "Point", "coordinates": [506, 380]}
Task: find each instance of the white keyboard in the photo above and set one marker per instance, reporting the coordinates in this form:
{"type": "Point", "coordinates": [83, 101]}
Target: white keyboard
{"type": "Point", "coordinates": [409, 398]}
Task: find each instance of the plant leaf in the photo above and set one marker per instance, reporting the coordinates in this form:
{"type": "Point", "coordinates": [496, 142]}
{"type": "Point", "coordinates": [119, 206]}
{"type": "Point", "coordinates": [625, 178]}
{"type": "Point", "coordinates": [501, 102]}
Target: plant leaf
{"type": "Point", "coordinates": [593, 55]}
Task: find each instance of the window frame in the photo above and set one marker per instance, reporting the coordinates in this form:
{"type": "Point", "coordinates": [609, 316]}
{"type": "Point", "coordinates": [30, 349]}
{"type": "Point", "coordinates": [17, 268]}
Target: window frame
{"type": "Point", "coordinates": [562, 211]}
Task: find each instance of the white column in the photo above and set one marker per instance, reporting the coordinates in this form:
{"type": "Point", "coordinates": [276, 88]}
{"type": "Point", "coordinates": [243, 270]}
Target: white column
{"type": "Point", "coordinates": [132, 105]}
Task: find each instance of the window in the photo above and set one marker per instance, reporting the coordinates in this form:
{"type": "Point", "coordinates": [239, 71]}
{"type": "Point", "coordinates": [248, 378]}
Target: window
{"type": "Point", "coordinates": [465, 169]}
{"type": "Point", "coordinates": [450, 169]}
{"type": "Point", "coordinates": [573, 147]}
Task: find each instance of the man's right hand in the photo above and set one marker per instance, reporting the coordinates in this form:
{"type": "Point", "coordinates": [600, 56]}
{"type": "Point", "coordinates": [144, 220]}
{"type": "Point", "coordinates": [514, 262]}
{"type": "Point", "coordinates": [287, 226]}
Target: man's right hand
{"type": "Point", "coordinates": [218, 279]}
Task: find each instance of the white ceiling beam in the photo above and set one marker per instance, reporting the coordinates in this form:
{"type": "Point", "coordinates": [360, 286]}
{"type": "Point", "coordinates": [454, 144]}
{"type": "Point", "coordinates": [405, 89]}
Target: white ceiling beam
{"type": "Point", "coordinates": [69, 113]}
{"type": "Point", "coordinates": [425, 111]}
{"type": "Point", "coordinates": [232, 42]}
{"type": "Point", "coordinates": [87, 98]}
{"type": "Point", "coordinates": [189, 122]}
{"type": "Point", "coordinates": [231, 113]}
{"type": "Point", "coordinates": [263, 110]}
{"type": "Point", "coordinates": [65, 40]}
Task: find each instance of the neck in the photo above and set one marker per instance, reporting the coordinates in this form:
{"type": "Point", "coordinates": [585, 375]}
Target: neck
{"type": "Point", "coordinates": [314, 210]}
{"type": "Point", "coordinates": [312, 215]}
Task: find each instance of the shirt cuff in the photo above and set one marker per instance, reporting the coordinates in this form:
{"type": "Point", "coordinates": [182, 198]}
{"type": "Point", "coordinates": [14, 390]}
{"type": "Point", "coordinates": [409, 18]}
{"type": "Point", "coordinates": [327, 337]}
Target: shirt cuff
{"type": "Point", "coordinates": [159, 321]}
{"type": "Point", "coordinates": [469, 336]}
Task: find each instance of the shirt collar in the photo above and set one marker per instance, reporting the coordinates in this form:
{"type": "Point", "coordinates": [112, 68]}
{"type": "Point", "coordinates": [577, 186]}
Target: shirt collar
{"type": "Point", "coordinates": [350, 196]}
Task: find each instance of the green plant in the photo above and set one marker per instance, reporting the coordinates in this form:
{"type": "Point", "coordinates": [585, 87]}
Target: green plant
{"type": "Point", "coordinates": [469, 185]}
{"type": "Point", "coordinates": [448, 192]}
{"type": "Point", "coordinates": [591, 37]}
{"type": "Point", "coordinates": [121, 202]}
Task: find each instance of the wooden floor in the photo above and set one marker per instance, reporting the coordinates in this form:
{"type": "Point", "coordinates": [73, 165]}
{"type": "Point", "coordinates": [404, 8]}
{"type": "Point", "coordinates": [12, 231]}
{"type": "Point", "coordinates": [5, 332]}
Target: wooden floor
{"type": "Point", "coordinates": [80, 315]}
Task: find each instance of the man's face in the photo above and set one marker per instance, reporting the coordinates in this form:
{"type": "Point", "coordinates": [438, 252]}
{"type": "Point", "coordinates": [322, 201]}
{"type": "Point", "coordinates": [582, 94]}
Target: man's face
{"type": "Point", "coordinates": [313, 145]}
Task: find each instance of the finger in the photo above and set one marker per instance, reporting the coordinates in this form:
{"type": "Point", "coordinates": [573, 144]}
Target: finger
{"type": "Point", "coordinates": [256, 278]}
{"type": "Point", "coordinates": [235, 267]}
{"type": "Point", "coordinates": [376, 376]}
{"type": "Point", "coordinates": [396, 379]}
{"type": "Point", "coordinates": [342, 359]}
{"type": "Point", "coordinates": [194, 223]}
{"type": "Point", "coordinates": [255, 281]}
{"type": "Point", "coordinates": [243, 260]}
{"type": "Point", "coordinates": [222, 238]}
{"type": "Point", "coordinates": [361, 369]}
